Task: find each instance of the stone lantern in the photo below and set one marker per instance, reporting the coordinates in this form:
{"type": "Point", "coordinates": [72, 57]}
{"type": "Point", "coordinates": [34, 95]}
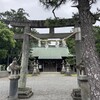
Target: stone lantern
{"type": "Point", "coordinates": [14, 76]}
{"type": "Point", "coordinates": [63, 70]}
{"type": "Point", "coordinates": [68, 70]}
{"type": "Point", "coordinates": [34, 68]}
{"type": "Point", "coordinates": [83, 83]}
{"type": "Point", "coordinates": [82, 74]}
{"type": "Point", "coordinates": [37, 67]}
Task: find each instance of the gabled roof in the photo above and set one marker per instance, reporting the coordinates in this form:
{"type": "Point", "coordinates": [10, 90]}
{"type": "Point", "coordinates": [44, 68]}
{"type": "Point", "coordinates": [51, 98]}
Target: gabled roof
{"type": "Point", "coordinates": [50, 52]}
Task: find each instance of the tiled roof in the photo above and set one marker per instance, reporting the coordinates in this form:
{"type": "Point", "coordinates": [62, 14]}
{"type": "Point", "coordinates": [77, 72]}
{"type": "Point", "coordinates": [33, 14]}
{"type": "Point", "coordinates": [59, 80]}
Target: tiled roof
{"type": "Point", "coordinates": [50, 52]}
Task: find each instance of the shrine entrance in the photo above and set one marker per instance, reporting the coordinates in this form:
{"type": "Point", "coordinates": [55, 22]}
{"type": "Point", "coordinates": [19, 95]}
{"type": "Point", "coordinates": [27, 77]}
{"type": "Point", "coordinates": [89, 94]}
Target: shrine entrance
{"type": "Point", "coordinates": [50, 65]}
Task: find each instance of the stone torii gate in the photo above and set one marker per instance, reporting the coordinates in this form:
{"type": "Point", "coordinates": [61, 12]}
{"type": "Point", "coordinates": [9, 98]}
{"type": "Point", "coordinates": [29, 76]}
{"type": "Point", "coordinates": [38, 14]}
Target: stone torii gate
{"type": "Point", "coordinates": [25, 47]}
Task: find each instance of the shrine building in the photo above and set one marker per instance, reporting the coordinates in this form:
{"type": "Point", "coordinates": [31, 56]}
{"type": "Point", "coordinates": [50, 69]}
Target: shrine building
{"type": "Point", "coordinates": [50, 54]}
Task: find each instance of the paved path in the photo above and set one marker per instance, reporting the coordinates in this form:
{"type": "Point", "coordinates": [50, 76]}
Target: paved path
{"type": "Point", "coordinates": [46, 86]}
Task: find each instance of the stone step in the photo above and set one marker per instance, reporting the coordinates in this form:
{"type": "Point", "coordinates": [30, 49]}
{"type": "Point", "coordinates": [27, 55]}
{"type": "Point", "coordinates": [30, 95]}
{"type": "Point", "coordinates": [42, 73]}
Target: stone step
{"type": "Point", "coordinates": [25, 93]}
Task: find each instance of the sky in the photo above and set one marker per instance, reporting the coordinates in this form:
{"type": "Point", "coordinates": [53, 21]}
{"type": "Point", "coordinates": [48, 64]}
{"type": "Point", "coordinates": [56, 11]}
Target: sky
{"type": "Point", "coordinates": [38, 12]}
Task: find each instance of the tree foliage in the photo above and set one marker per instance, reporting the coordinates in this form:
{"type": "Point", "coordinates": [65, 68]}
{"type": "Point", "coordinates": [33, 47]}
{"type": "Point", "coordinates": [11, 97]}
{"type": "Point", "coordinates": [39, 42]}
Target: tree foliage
{"type": "Point", "coordinates": [19, 15]}
{"type": "Point", "coordinates": [6, 40]}
{"type": "Point", "coordinates": [55, 4]}
{"type": "Point", "coordinates": [71, 41]}
{"type": "Point", "coordinates": [52, 3]}
{"type": "Point", "coordinates": [15, 15]}
{"type": "Point", "coordinates": [58, 3]}
{"type": "Point", "coordinates": [71, 45]}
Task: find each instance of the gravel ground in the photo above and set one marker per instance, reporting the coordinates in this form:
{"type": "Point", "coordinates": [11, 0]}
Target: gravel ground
{"type": "Point", "coordinates": [46, 86]}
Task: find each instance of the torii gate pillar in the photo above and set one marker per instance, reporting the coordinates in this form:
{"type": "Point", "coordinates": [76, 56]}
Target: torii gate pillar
{"type": "Point", "coordinates": [23, 91]}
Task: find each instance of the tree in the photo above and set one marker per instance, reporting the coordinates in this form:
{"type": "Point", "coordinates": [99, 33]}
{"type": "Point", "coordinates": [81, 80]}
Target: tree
{"type": "Point", "coordinates": [71, 45]}
{"type": "Point", "coordinates": [89, 56]}
{"type": "Point", "coordinates": [71, 41]}
{"type": "Point", "coordinates": [6, 40]}
{"type": "Point", "coordinates": [19, 15]}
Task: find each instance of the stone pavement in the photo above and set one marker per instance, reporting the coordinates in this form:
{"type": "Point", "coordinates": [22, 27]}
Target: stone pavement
{"type": "Point", "coordinates": [46, 86]}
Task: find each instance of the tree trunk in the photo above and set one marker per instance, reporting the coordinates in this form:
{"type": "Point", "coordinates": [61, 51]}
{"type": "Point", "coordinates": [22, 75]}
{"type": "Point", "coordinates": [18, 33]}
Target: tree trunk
{"type": "Point", "coordinates": [89, 56]}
